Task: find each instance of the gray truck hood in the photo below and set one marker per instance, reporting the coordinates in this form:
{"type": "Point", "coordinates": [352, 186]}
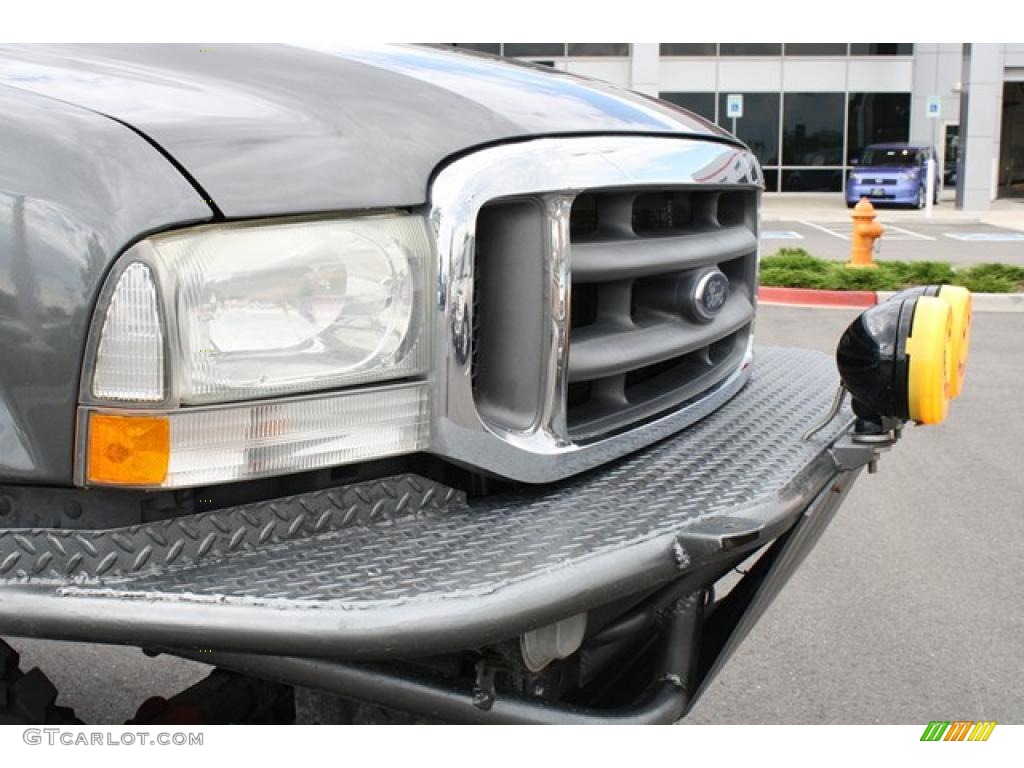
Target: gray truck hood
{"type": "Point", "coordinates": [266, 130]}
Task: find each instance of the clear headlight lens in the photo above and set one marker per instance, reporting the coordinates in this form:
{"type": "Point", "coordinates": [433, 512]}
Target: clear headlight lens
{"type": "Point", "coordinates": [281, 308]}
{"type": "Point", "coordinates": [130, 353]}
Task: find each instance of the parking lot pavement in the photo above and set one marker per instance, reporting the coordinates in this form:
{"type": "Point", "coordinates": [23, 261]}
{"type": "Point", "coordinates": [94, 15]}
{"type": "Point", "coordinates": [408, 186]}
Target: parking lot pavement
{"type": "Point", "coordinates": [910, 607]}
{"type": "Point", "coordinates": [908, 610]}
{"type": "Point", "coordinates": [961, 243]}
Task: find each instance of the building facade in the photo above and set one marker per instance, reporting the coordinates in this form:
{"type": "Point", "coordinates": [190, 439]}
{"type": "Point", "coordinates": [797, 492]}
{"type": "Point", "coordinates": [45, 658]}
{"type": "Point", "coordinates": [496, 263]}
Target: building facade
{"type": "Point", "coordinates": [809, 109]}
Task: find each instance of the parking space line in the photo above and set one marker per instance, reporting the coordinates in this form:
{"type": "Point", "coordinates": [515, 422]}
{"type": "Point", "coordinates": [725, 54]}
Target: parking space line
{"type": "Point", "coordinates": [780, 234]}
{"type": "Point", "coordinates": [913, 235]}
{"type": "Point", "coordinates": [826, 230]}
{"type": "Point", "coordinates": [986, 237]}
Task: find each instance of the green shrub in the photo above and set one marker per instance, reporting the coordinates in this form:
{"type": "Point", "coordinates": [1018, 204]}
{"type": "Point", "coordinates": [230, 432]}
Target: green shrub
{"type": "Point", "coordinates": [992, 278]}
{"type": "Point", "coordinates": [795, 268]}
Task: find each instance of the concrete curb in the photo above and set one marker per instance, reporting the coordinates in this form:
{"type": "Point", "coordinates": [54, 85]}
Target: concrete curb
{"type": "Point", "coordinates": [819, 299]}
{"type": "Point", "coordinates": [810, 297]}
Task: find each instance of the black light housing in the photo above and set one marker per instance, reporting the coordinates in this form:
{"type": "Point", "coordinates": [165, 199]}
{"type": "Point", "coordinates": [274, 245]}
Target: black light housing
{"type": "Point", "coordinates": [904, 359]}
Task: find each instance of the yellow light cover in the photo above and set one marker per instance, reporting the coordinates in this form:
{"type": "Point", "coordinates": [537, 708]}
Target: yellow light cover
{"type": "Point", "coordinates": [128, 450]}
{"type": "Point", "coordinates": [931, 361]}
{"type": "Point", "coordinates": [959, 300]}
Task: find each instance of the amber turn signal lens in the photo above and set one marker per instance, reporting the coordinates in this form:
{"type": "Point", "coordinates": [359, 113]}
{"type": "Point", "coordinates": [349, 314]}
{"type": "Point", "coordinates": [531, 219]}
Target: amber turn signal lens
{"type": "Point", "coordinates": [128, 450]}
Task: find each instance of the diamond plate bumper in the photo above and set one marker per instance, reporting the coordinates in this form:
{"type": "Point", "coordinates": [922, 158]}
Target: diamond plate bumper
{"type": "Point", "coordinates": [409, 567]}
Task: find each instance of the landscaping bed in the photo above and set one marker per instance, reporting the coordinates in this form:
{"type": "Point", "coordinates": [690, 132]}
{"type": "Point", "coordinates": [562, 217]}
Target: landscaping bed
{"type": "Point", "coordinates": [795, 268]}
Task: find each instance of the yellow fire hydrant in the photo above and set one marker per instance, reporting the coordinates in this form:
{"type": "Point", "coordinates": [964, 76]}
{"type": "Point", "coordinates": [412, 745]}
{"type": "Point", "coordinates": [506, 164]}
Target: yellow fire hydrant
{"type": "Point", "coordinates": [865, 231]}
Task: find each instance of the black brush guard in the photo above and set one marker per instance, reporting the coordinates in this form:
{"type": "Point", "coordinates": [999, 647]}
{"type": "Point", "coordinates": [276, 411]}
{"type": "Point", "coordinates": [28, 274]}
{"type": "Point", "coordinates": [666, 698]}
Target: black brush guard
{"type": "Point", "coordinates": [335, 589]}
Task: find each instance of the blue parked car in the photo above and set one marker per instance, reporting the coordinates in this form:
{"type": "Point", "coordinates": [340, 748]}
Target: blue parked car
{"type": "Point", "coordinates": [893, 173]}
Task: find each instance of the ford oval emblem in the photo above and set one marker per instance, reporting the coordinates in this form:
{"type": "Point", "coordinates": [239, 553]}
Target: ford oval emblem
{"type": "Point", "coordinates": [710, 294]}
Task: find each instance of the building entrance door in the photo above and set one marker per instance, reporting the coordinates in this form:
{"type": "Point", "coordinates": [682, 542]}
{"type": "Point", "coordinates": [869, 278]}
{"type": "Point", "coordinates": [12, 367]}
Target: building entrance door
{"type": "Point", "coordinates": [950, 154]}
{"type": "Point", "coordinates": [1011, 142]}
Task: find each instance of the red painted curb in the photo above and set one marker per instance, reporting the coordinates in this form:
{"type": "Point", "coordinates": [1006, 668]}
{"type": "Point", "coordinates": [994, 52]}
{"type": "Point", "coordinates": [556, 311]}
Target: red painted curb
{"type": "Point", "coordinates": [810, 297]}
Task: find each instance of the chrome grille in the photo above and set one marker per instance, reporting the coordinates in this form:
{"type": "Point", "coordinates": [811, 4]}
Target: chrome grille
{"type": "Point", "coordinates": [564, 337]}
{"type": "Point", "coordinates": [633, 352]}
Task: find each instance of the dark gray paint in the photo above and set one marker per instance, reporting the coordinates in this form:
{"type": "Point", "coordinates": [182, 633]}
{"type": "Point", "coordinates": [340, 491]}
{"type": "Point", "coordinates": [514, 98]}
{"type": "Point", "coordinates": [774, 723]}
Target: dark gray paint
{"type": "Point", "coordinates": [275, 129]}
{"type": "Point", "coordinates": [263, 130]}
{"type": "Point", "coordinates": [75, 188]}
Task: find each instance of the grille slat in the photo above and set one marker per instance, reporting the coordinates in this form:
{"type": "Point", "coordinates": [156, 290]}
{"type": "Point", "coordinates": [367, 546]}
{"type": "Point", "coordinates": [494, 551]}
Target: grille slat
{"type": "Point", "coordinates": [626, 258]}
{"type": "Point", "coordinates": [597, 351]}
{"type": "Point", "coordinates": [637, 346]}
{"type": "Point", "coordinates": [628, 365]}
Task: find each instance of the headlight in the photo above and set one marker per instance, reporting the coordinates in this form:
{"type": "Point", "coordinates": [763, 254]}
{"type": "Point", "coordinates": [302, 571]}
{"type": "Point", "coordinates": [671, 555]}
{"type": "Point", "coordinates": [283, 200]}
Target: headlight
{"type": "Point", "coordinates": [267, 309]}
{"type": "Point", "coordinates": [195, 319]}
{"type": "Point", "coordinates": [855, 178]}
{"type": "Point", "coordinates": [908, 176]}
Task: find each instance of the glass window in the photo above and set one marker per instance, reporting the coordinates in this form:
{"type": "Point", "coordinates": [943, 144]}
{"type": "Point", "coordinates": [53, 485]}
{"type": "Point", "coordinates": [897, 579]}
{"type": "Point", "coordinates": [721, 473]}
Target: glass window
{"type": "Point", "coordinates": [701, 103]}
{"type": "Point", "coordinates": [771, 179]}
{"type": "Point", "coordinates": [750, 49]}
{"type": "Point", "coordinates": [882, 49]}
{"type": "Point", "coordinates": [812, 129]}
{"type": "Point", "coordinates": [815, 49]}
{"type": "Point", "coordinates": [893, 157]}
{"type": "Point", "coordinates": [759, 126]}
{"type": "Point", "coordinates": [951, 149]}
{"type": "Point", "coordinates": [599, 49]}
{"type": "Point", "coordinates": [494, 48]}
{"type": "Point", "coordinates": [875, 118]}
{"type": "Point", "coordinates": [534, 49]}
{"type": "Point", "coordinates": [812, 180]}
{"type": "Point", "coordinates": [688, 49]}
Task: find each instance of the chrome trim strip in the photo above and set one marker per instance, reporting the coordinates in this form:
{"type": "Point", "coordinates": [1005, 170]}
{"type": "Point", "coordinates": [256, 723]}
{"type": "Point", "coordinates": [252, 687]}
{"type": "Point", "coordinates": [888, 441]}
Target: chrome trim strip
{"type": "Point", "coordinates": [555, 170]}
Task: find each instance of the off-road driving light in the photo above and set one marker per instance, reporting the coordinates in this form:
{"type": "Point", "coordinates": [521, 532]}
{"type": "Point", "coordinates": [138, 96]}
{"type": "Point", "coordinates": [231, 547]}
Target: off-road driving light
{"type": "Point", "coordinates": [929, 361]}
{"type": "Point", "coordinates": [904, 359]}
{"type": "Point", "coordinates": [960, 304]}
{"type": "Point", "coordinates": [219, 444]}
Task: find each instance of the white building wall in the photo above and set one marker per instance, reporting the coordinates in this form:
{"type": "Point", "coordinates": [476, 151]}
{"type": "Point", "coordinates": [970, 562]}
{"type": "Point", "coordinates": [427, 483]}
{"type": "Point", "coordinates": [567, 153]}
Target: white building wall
{"type": "Point", "coordinates": [814, 75]}
{"type": "Point", "coordinates": [936, 74]}
{"type": "Point", "coordinates": [1014, 55]}
{"type": "Point", "coordinates": [881, 75]}
{"type": "Point", "coordinates": [692, 74]}
{"type": "Point", "coordinates": [614, 71]}
{"type": "Point", "coordinates": [749, 74]}
{"type": "Point", "coordinates": [935, 70]}
{"type": "Point", "coordinates": [643, 68]}
{"type": "Point", "coordinates": [983, 84]}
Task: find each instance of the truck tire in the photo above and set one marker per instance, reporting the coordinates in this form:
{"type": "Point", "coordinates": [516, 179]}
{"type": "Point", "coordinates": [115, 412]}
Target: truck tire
{"type": "Point", "coordinates": [28, 698]}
